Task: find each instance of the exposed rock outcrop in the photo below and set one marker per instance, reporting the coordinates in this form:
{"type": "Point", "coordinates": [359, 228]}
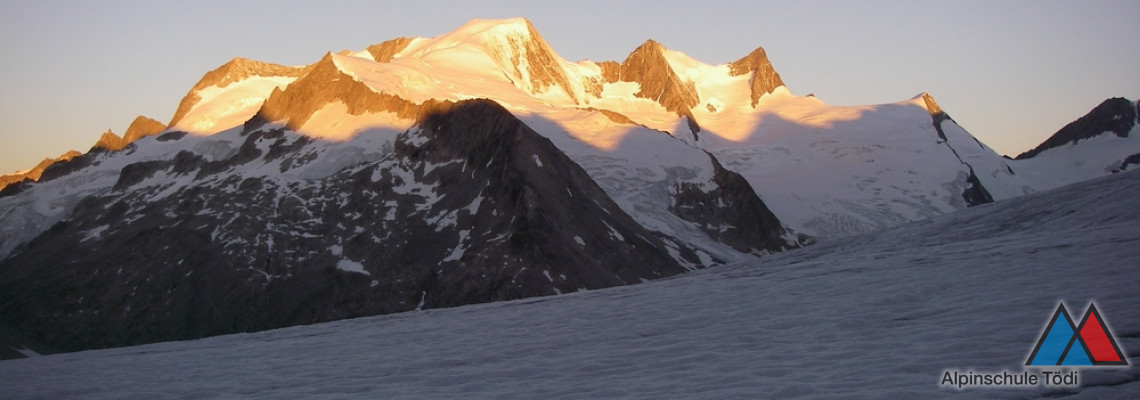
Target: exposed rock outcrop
{"type": "Point", "coordinates": [1117, 115]}
{"type": "Point", "coordinates": [527, 59]}
{"type": "Point", "coordinates": [731, 213]}
{"type": "Point", "coordinates": [1127, 163]}
{"type": "Point", "coordinates": [109, 141]}
{"type": "Point", "coordinates": [764, 78]}
{"type": "Point", "coordinates": [384, 52]}
{"type": "Point", "coordinates": [325, 83]}
{"type": "Point", "coordinates": [975, 192]}
{"type": "Point", "coordinates": [142, 127]}
{"type": "Point", "coordinates": [648, 67]}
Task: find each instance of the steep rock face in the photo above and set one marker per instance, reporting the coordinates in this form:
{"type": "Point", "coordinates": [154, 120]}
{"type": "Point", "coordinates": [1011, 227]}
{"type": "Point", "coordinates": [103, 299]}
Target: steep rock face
{"type": "Point", "coordinates": [469, 206]}
{"type": "Point", "coordinates": [549, 194]}
{"type": "Point", "coordinates": [647, 66]}
{"type": "Point", "coordinates": [384, 52]}
{"type": "Point", "coordinates": [975, 193]}
{"type": "Point", "coordinates": [142, 127]}
{"type": "Point", "coordinates": [109, 141]}
{"type": "Point", "coordinates": [526, 57]}
{"type": "Point", "coordinates": [764, 78]}
{"type": "Point", "coordinates": [232, 71]}
{"type": "Point", "coordinates": [1117, 115]}
{"type": "Point", "coordinates": [326, 83]}
{"type": "Point", "coordinates": [732, 213]}
{"type": "Point", "coordinates": [611, 70]}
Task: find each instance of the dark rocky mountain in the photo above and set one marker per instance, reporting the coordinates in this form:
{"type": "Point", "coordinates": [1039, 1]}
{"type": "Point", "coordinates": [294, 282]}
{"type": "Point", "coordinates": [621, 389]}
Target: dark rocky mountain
{"type": "Point", "coordinates": [1117, 115]}
{"type": "Point", "coordinates": [1101, 142]}
{"type": "Point", "coordinates": [732, 213]}
{"type": "Point", "coordinates": [471, 206]}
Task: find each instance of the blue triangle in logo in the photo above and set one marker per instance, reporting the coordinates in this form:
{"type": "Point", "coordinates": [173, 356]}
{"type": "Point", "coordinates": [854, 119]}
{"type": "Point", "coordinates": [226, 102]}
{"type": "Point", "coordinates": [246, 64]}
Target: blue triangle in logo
{"type": "Point", "coordinates": [1055, 340]}
{"type": "Point", "coordinates": [1077, 354]}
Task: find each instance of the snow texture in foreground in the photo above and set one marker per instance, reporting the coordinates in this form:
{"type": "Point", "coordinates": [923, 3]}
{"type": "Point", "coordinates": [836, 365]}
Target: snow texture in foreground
{"type": "Point", "coordinates": [880, 315]}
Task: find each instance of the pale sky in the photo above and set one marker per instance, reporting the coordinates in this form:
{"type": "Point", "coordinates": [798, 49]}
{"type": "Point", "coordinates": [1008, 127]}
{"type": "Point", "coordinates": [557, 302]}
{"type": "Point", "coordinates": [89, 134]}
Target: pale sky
{"type": "Point", "coordinates": [1010, 72]}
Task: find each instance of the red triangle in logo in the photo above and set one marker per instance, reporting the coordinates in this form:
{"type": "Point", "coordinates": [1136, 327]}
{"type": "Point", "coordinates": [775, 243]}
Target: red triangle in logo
{"type": "Point", "coordinates": [1100, 343]}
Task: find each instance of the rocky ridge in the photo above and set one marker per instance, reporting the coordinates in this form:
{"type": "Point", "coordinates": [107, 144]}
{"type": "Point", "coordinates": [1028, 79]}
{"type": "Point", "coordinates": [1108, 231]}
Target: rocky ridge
{"type": "Point", "coordinates": [34, 174]}
{"type": "Point", "coordinates": [487, 210]}
{"type": "Point", "coordinates": [139, 128]}
{"type": "Point", "coordinates": [1117, 115]}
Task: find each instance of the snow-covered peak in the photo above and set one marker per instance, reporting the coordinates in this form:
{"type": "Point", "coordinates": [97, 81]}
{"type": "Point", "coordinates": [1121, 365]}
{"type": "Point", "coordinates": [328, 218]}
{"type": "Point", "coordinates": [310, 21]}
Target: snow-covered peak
{"type": "Point", "coordinates": [229, 95]}
{"type": "Point", "coordinates": [475, 32]}
{"type": "Point", "coordinates": [926, 100]}
{"type": "Point", "coordinates": [512, 46]}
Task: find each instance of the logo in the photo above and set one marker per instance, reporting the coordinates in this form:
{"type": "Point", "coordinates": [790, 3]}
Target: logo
{"type": "Point", "coordinates": [1061, 350]}
{"type": "Point", "coordinates": [1088, 344]}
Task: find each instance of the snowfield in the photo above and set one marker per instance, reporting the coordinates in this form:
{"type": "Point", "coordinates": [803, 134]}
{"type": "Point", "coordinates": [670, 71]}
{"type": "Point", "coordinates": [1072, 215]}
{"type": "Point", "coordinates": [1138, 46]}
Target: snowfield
{"type": "Point", "coordinates": [879, 315]}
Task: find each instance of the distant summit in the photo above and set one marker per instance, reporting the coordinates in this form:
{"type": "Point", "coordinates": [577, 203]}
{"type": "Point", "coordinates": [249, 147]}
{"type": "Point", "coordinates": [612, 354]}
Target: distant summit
{"type": "Point", "coordinates": [139, 128]}
{"type": "Point", "coordinates": [1117, 116]}
{"type": "Point", "coordinates": [763, 77]}
{"type": "Point", "coordinates": [1102, 142]}
{"type": "Point", "coordinates": [142, 127]}
{"type": "Point", "coordinates": [34, 173]}
{"type": "Point", "coordinates": [648, 67]}
{"type": "Point", "coordinates": [252, 76]}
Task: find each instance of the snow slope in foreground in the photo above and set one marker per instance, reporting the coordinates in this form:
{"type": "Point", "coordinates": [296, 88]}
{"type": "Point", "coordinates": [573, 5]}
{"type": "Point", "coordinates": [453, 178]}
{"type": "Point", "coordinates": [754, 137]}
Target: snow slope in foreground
{"type": "Point", "coordinates": [880, 315]}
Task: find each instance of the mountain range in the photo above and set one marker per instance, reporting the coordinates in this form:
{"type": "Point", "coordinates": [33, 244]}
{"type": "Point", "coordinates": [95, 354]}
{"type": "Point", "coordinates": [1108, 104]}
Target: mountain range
{"type": "Point", "coordinates": [472, 167]}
